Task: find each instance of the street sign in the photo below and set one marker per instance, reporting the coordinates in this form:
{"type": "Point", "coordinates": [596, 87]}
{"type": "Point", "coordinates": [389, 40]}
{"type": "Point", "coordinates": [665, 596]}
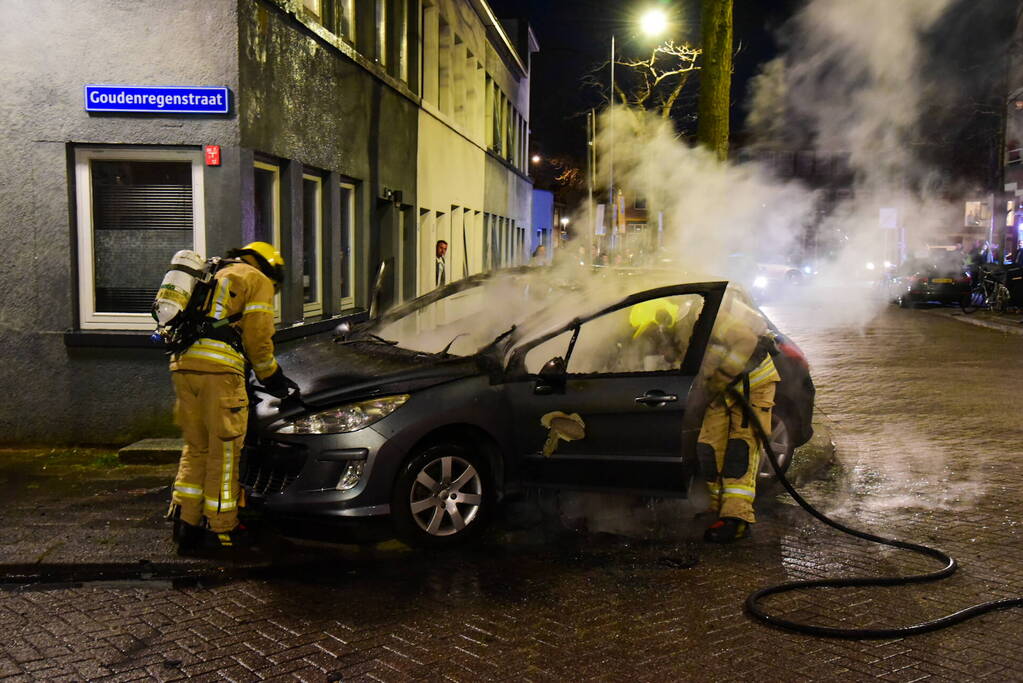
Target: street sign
{"type": "Point", "coordinates": [169, 99]}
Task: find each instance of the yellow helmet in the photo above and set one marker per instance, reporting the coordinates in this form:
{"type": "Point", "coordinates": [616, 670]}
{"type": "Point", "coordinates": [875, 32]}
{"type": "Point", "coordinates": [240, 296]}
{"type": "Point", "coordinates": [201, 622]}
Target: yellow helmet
{"type": "Point", "coordinates": [651, 313]}
{"type": "Point", "coordinates": [266, 258]}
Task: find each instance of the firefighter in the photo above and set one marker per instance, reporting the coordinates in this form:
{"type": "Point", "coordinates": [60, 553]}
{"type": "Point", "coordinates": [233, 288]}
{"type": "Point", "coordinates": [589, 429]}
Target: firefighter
{"type": "Point", "coordinates": [212, 403]}
{"type": "Point", "coordinates": [728, 449]}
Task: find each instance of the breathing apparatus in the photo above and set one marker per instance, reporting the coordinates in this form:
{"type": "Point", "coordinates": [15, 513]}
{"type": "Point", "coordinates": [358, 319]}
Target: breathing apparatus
{"type": "Point", "coordinates": [183, 301]}
{"type": "Point", "coordinates": [754, 599]}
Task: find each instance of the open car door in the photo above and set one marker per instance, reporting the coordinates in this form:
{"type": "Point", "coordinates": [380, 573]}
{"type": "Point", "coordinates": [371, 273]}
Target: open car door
{"type": "Point", "coordinates": [604, 402]}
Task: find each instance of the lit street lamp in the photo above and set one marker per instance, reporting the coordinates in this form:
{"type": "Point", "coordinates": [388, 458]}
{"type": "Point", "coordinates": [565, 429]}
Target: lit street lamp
{"type": "Point", "coordinates": [653, 22]}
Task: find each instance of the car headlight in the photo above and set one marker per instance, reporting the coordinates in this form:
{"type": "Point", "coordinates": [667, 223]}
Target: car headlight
{"type": "Point", "coordinates": [760, 282]}
{"type": "Point", "coordinates": [346, 418]}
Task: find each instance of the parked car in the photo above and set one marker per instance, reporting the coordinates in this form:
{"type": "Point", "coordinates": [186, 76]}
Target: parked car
{"type": "Point", "coordinates": [936, 279]}
{"type": "Point", "coordinates": [420, 422]}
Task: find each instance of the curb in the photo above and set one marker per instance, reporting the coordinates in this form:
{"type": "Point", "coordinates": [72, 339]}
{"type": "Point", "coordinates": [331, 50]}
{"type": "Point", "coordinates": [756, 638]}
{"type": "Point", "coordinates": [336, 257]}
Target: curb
{"type": "Point", "coordinates": [1006, 327]}
{"type": "Point", "coordinates": [152, 452]}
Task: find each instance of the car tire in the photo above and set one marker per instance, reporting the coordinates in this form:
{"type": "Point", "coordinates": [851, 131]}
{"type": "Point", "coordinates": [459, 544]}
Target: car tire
{"type": "Point", "coordinates": [444, 496]}
{"type": "Point", "coordinates": [781, 444]}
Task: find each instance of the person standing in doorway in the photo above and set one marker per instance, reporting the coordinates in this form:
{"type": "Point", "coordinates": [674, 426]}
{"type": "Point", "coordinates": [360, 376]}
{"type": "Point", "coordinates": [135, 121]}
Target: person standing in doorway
{"type": "Point", "coordinates": [441, 270]}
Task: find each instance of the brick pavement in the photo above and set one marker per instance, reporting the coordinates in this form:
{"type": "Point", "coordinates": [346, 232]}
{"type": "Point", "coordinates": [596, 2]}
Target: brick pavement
{"type": "Point", "coordinates": [929, 450]}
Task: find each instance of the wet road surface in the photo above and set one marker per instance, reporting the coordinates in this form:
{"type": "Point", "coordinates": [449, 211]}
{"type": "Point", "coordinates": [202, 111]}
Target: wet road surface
{"type": "Point", "coordinates": [923, 410]}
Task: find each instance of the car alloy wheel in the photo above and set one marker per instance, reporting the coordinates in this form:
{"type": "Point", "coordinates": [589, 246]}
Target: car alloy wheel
{"type": "Point", "coordinates": [781, 444]}
{"type": "Point", "coordinates": [442, 496]}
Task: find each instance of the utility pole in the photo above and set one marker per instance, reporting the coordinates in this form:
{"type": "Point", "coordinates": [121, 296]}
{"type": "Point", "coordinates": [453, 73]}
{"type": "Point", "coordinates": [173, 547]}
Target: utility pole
{"type": "Point", "coordinates": [715, 77]}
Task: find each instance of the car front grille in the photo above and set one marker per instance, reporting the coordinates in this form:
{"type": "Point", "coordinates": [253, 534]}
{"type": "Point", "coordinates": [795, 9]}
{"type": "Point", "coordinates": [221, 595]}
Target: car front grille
{"type": "Point", "coordinates": [269, 467]}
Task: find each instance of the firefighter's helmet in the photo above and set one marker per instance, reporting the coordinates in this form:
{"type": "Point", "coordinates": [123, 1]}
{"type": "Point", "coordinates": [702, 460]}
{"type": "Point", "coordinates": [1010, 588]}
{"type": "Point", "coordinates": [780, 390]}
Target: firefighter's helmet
{"type": "Point", "coordinates": [653, 313]}
{"type": "Point", "coordinates": [267, 259]}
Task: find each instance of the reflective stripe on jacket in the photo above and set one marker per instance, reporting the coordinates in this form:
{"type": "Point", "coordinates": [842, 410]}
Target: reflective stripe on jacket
{"type": "Point", "coordinates": [240, 289]}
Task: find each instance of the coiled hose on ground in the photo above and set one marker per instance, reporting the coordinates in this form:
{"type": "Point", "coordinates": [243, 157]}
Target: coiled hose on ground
{"type": "Point", "coordinates": [753, 601]}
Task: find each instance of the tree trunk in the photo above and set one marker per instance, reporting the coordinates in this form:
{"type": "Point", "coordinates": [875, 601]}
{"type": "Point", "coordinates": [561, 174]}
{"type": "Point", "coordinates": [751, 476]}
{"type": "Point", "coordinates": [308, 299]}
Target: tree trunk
{"type": "Point", "coordinates": [715, 77]}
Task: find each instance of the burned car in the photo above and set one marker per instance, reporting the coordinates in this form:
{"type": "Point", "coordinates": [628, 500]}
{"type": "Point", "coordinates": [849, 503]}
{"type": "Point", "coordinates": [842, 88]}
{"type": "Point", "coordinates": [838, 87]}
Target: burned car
{"type": "Point", "coordinates": [420, 422]}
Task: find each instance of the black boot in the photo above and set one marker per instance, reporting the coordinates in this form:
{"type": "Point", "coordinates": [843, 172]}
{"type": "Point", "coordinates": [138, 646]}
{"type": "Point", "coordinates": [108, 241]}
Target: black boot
{"type": "Point", "coordinates": [726, 530]}
{"type": "Point", "coordinates": [236, 544]}
{"type": "Point", "coordinates": [186, 536]}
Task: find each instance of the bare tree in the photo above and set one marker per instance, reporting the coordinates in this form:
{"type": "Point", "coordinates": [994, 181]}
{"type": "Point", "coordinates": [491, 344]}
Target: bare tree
{"type": "Point", "coordinates": [652, 83]}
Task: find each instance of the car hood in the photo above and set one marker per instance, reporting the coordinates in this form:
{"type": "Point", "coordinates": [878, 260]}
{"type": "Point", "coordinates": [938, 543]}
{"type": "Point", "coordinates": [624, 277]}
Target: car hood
{"type": "Point", "coordinates": [327, 371]}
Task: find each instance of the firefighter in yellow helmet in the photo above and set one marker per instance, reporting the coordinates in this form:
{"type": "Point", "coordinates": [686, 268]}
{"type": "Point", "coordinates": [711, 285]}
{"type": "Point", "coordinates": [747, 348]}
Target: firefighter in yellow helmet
{"type": "Point", "coordinates": [738, 356]}
{"type": "Point", "coordinates": [212, 403]}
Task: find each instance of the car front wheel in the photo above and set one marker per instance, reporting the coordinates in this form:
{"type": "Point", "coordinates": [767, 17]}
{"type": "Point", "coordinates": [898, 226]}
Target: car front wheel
{"type": "Point", "coordinates": [781, 444]}
{"type": "Point", "coordinates": [442, 497]}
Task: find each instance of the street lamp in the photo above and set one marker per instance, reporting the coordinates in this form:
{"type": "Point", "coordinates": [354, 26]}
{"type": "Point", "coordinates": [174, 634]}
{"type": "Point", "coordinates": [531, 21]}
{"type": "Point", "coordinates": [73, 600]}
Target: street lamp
{"type": "Point", "coordinates": [653, 22]}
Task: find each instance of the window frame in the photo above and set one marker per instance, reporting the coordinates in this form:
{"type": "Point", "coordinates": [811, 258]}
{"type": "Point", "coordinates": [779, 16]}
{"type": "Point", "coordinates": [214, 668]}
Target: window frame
{"type": "Point", "coordinates": [88, 317]}
{"type": "Point", "coordinates": [348, 266]}
{"type": "Point", "coordinates": [515, 365]}
{"type": "Point", "coordinates": [275, 230]}
{"type": "Point", "coordinates": [314, 307]}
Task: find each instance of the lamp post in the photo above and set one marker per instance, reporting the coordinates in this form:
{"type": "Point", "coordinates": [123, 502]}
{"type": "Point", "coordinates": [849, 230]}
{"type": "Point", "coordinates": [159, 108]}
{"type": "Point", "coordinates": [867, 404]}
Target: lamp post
{"type": "Point", "coordinates": [652, 23]}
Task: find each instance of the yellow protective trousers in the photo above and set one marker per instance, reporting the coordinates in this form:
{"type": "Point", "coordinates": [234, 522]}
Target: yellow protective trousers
{"type": "Point", "coordinates": [212, 411]}
{"type": "Point", "coordinates": [729, 451]}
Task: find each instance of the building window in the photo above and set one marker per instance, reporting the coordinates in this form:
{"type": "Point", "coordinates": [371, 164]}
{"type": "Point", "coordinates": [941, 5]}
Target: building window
{"type": "Point", "coordinates": [347, 245]}
{"type": "Point", "coordinates": [431, 54]}
{"type": "Point", "coordinates": [312, 245]}
{"type": "Point", "coordinates": [381, 17]}
{"type": "Point", "coordinates": [337, 16]}
{"type": "Point", "coordinates": [135, 209]}
{"type": "Point", "coordinates": [399, 35]}
{"type": "Point", "coordinates": [444, 47]}
{"type": "Point", "coordinates": [267, 205]}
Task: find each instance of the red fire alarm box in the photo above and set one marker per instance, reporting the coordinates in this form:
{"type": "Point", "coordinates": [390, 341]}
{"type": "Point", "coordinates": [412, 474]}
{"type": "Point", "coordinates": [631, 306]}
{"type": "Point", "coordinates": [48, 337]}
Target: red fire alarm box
{"type": "Point", "coordinates": [213, 155]}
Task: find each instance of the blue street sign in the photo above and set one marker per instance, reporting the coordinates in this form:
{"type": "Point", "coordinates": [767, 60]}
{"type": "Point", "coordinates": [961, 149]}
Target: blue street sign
{"type": "Point", "coordinates": [167, 99]}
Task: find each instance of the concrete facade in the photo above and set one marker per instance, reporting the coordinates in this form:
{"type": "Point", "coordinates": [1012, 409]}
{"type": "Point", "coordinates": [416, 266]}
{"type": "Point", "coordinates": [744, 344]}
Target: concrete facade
{"type": "Point", "coordinates": [474, 192]}
{"type": "Point", "coordinates": [302, 103]}
{"type": "Point", "coordinates": [322, 151]}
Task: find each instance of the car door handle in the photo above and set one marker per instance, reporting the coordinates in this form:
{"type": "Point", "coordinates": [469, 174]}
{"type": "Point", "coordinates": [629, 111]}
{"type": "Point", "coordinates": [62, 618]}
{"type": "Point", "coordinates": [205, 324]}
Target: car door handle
{"type": "Point", "coordinates": [656, 398]}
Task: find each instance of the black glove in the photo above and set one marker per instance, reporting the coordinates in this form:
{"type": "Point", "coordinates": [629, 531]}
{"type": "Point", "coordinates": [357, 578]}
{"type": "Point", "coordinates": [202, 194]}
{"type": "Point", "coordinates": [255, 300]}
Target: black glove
{"type": "Point", "coordinates": [278, 385]}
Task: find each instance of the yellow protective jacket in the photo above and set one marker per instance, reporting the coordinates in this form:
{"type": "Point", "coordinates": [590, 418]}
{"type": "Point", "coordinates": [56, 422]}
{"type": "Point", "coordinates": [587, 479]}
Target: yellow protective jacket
{"type": "Point", "coordinates": [733, 343]}
{"type": "Point", "coordinates": [239, 289]}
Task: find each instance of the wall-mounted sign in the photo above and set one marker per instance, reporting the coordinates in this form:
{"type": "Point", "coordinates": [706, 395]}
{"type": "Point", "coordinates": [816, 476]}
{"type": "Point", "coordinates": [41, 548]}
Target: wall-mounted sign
{"type": "Point", "coordinates": [213, 155]}
{"type": "Point", "coordinates": [165, 99]}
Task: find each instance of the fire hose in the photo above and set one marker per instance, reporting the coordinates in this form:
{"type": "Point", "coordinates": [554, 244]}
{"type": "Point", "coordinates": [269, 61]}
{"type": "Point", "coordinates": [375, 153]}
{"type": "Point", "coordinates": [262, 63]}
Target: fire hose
{"type": "Point", "coordinates": [756, 609]}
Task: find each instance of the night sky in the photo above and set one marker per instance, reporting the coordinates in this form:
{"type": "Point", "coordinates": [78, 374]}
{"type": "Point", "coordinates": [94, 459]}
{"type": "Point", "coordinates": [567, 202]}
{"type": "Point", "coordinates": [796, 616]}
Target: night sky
{"type": "Point", "coordinates": [575, 36]}
{"type": "Point", "coordinates": [967, 53]}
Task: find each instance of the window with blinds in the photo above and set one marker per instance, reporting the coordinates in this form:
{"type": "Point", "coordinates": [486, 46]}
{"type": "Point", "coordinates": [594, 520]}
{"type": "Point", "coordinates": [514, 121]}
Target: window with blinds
{"type": "Point", "coordinates": [135, 208]}
{"type": "Point", "coordinates": [142, 215]}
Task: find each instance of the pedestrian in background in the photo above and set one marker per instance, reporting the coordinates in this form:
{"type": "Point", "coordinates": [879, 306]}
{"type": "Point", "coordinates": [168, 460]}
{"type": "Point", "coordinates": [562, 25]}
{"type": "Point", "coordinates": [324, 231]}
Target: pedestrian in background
{"type": "Point", "coordinates": [212, 402]}
{"type": "Point", "coordinates": [539, 256]}
{"type": "Point", "coordinates": [441, 269]}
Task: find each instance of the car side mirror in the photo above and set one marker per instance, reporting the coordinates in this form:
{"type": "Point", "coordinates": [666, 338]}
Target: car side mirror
{"type": "Point", "coordinates": [551, 378]}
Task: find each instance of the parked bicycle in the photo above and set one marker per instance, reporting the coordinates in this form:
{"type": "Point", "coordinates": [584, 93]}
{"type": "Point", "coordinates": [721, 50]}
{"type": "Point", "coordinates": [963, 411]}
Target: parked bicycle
{"type": "Point", "coordinates": [988, 291]}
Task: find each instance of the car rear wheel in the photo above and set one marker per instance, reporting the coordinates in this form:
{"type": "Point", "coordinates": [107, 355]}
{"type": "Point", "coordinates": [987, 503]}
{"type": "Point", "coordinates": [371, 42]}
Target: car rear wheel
{"type": "Point", "coordinates": [781, 444]}
{"type": "Point", "coordinates": [442, 497]}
